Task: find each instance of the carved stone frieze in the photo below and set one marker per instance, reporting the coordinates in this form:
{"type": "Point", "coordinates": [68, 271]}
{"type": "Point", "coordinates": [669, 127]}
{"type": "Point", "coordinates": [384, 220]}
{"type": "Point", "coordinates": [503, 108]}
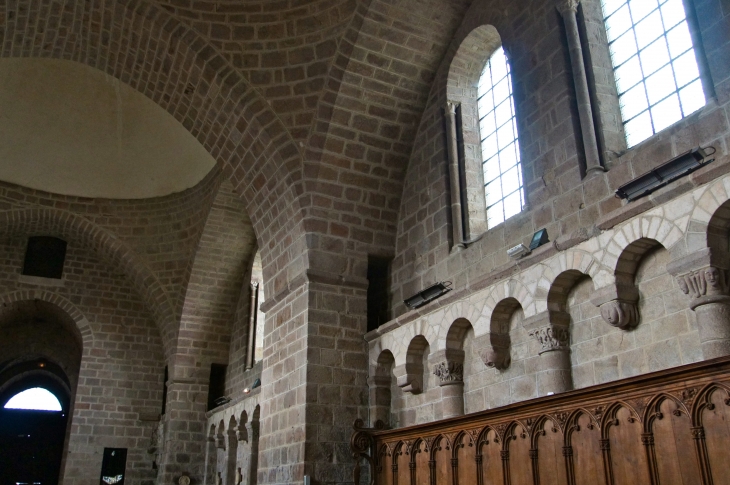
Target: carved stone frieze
{"type": "Point", "coordinates": [552, 338]}
{"type": "Point", "coordinates": [621, 314]}
{"type": "Point", "coordinates": [449, 371]}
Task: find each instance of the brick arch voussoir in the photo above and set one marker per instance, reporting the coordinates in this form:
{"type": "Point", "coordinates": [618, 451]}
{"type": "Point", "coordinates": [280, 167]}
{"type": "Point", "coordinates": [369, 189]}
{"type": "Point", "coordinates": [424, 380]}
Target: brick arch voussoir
{"type": "Point", "coordinates": [68, 226]}
{"type": "Point", "coordinates": [142, 45]}
{"type": "Point", "coordinates": [82, 323]}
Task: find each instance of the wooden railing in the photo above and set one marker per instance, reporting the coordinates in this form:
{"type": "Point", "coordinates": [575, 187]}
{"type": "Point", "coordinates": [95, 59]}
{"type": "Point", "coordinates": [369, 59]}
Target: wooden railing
{"type": "Point", "coordinates": [668, 427]}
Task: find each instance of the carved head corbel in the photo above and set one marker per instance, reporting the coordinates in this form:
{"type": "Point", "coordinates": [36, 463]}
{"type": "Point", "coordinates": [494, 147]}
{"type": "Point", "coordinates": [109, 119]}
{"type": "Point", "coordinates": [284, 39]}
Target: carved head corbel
{"type": "Point", "coordinates": [620, 314]}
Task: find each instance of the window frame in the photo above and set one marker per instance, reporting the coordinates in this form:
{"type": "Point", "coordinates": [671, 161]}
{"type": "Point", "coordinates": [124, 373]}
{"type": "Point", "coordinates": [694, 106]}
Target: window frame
{"type": "Point", "coordinates": [514, 142]}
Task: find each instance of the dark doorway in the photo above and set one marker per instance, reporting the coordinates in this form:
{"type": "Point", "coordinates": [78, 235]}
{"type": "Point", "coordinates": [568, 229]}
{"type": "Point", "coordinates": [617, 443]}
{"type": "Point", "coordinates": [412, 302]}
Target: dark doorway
{"type": "Point", "coordinates": [32, 441]}
{"type": "Point", "coordinates": [31, 446]}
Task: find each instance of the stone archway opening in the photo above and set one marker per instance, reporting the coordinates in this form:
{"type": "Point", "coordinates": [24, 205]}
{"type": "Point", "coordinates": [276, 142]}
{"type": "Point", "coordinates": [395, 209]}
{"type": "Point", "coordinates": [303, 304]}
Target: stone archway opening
{"type": "Point", "coordinates": [41, 347]}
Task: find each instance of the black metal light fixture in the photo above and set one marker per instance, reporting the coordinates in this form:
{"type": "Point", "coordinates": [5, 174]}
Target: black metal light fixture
{"type": "Point", "coordinates": [428, 294]}
{"type": "Point", "coordinates": [660, 176]}
{"type": "Point", "coordinates": [538, 239]}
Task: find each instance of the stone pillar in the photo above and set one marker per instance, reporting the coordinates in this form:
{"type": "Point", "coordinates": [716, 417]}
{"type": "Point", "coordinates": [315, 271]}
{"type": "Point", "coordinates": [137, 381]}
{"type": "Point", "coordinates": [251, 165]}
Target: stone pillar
{"type": "Point", "coordinates": [380, 399]}
{"type": "Point", "coordinates": [449, 368]}
{"type": "Point", "coordinates": [568, 9]}
{"type": "Point", "coordinates": [457, 211]}
{"type": "Point", "coordinates": [551, 330]}
{"type": "Point", "coordinates": [184, 450]}
{"type": "Point", "coordinates": [252, 430]}
{"type": "Point", "coordinates": [703, 276]}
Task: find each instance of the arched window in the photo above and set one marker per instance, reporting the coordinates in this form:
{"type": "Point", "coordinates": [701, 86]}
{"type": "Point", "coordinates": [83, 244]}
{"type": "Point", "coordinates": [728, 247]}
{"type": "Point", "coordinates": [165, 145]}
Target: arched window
{"type": "Point", "coordinates": [654, 62]}
{"type": "Point", "coordinates": [35, 399]}
{"type": "Point", "coordinates": [501, 165]}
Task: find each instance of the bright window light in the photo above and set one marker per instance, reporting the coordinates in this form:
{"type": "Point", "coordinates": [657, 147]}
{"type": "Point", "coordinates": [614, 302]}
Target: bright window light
{"type": "Point", "coordinates": [654, 64]}
{"type": "Point", "coordinates": [36, 399]}
{"type": "Point", "coordinates": [500, 148]}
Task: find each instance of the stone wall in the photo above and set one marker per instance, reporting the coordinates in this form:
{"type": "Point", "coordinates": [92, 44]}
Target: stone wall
{"type": "Point", "coordinates": [117, 390]}
{"type": "Point", "coordinates": [580, 283]}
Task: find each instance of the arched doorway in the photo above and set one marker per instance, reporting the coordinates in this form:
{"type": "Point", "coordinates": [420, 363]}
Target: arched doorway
{"type": "Point", "coordinates": [34, 413]}
{"type": "Point", "coordinates": [41, 348]}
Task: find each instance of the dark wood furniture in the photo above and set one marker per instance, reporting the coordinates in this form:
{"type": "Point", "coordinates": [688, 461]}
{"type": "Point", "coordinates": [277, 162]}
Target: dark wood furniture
{"type": "Point", "coordinates": [670, 428]}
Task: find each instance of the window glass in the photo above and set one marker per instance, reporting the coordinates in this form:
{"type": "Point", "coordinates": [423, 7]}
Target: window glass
{"type": "Point", "coordinates": [501, 165]}
{"type": "Point", "coordinates": [36, 398]}
{"type": "Point", "coordinates": [654, 64]}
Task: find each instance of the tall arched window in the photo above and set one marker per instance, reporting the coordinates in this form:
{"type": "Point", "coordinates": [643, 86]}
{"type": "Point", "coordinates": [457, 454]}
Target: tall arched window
{"type": "Point", "coordinates": [654, 62]}
{"type": "Point", "coordinates": [503, 188]}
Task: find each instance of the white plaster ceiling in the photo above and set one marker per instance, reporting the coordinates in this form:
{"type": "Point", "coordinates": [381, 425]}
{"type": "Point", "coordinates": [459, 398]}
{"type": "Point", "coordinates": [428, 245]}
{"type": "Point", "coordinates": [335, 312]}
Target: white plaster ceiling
{"type": "Point", "coordinates": [70, 129]}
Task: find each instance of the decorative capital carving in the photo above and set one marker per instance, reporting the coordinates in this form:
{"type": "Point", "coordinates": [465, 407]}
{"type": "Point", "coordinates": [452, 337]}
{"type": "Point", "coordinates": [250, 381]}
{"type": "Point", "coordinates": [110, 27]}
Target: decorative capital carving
{"type": "Point", "coordinates": [449, 372]}
{"type": "Point", "coordinates": [620, 313]}
{"type": "Point", "coordinates": [709, 281]}
{"type": "Point", "coordinates": [551, 338]}
{"type": "Point", "coordinates": [568, 6]}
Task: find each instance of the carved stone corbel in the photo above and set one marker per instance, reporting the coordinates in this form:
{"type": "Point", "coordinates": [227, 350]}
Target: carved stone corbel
{"type": "Point", "coordinates": [408, 378]}
{"type": "Point", "coordinates": [220, 441]}
{"type": "Point", "coordinates": [618, 304]}
{"type": "Point", "coordinates": [496, 352]}
{"type": "Point", "coordinates": [241, 434]}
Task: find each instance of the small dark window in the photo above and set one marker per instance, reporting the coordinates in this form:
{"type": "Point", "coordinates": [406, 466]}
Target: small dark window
{"type": "Point", "coordinates": [217, 385]}
{"type": "Point", "coordinates": [378, 308]}
{"type": "Point", "coordinates": [44, 257]}
{"type": "Point", "coordinates": [164, 392]}
{"type": "Point", "coordinates": [113, 466]}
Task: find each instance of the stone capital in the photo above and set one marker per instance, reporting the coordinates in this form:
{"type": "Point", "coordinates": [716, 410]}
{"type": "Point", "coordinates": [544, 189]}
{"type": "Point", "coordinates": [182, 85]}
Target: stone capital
{"type": "Point", "coordinates": [552, 338]}
{"type": "Point", "coordinates": [568, 7]}
{"type": "Point", "coordinates": [449, 372]}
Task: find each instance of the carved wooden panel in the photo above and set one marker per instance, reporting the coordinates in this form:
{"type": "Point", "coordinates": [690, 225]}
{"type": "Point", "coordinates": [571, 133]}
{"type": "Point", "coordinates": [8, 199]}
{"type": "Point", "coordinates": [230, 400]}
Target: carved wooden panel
{"type": "Point", "coordinates": [668, 428]}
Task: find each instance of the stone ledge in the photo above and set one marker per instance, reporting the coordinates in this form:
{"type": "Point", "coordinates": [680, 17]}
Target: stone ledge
{"type": "Point", "coordinates": [497, 274]}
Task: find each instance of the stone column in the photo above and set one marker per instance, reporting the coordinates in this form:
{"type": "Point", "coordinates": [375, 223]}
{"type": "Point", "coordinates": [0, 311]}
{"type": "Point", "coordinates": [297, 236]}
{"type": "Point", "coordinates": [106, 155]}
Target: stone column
{"type": "Point", "coordinates": [551, 331]}
{"type": "Point", "coordinates": [704, 277]}
{"type": "Point", "coordinates": [449, 368]}
{"type": "Point", "coordinates": [252, 430]}
{"type": "Point", "coordinates": [457, 211]}
{"type": "Point", "coordinates": [380, 399]}
{"type": "Point", "coordinates": [252, 322]}
{"type": "Point", "coordinates": [568, 9]}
